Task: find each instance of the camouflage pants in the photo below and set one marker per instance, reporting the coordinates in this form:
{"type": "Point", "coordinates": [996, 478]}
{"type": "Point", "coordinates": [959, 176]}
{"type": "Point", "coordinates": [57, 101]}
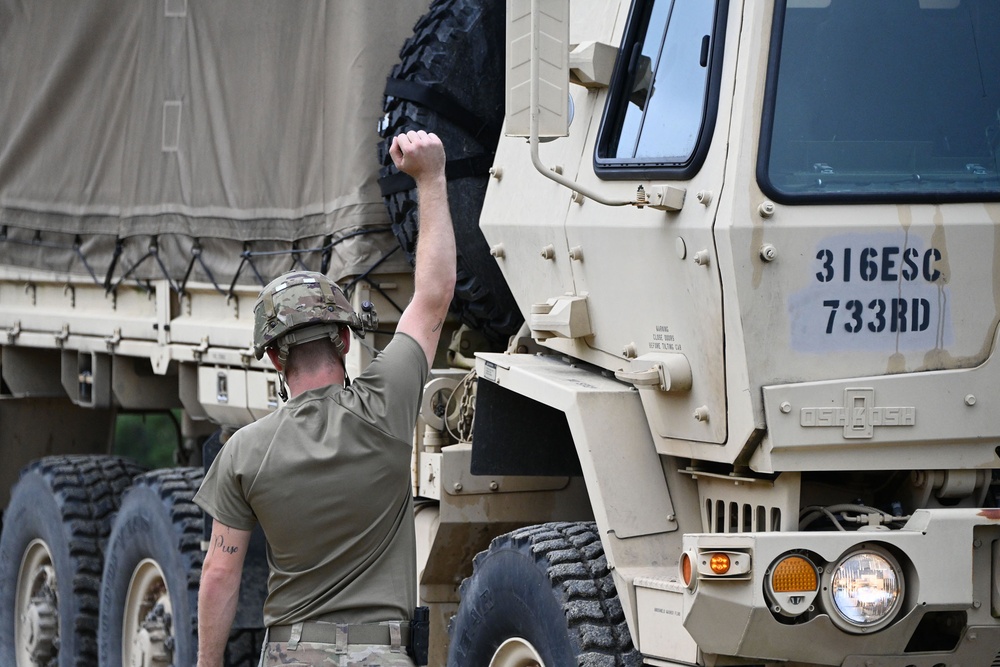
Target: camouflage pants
{"type": "Point", "coordinates": [309, 654]}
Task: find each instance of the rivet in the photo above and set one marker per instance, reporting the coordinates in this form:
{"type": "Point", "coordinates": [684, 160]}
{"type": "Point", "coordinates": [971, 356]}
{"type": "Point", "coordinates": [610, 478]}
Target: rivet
{"type": "Point", "coordinates": [494, 486]}
{"type": "Point", "coordinates": [576, 253]}
{"type": "Point", "coordinates": [766, 209]}
{"type": "Point", "coordinates": [701, 258]}
{"type": "Point", "coordinates": [701, 414]}
{"type": "Point", "coordinates": [457, 486]}
{"type": "Point", "coordinates": [630, 351]}
{"type": "Point", "coordinates": [768, 252]}
{"type": "Point", "coordinates": [704, 197]}
{"type": "Point", "coordinates": [498, 251]}
{"type": "Point", "coordinates": [496, 172]}
{"type": "Point", "coordinates": [548, 252]}
{"type": "Point", "coordinates": [970, 400]}
{"type": "Point", "coordinates": [785, 407]}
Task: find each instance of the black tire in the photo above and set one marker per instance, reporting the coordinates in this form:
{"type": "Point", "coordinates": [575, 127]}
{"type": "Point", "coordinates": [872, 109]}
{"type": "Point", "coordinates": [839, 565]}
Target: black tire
{"type": "Point", "coordinates": [57, 523]}
{"type": "Point", "coordinates": [550, 586]}
{"type": "Point", "coordinates": [453, 73]}
{"type": "Point", "coordinates": [159, 523]}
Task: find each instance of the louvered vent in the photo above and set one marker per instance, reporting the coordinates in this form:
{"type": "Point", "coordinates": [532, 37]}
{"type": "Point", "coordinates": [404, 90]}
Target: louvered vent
{"type": "Point", "coordinates": [745, 505]}
{"type": "Point", "coordinates": [736, 517]}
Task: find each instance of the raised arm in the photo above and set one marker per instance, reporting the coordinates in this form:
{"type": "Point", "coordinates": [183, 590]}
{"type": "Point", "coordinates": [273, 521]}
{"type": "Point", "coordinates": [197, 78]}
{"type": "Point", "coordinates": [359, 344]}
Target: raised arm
{"type": "Point", "coordinates": [421, 155]}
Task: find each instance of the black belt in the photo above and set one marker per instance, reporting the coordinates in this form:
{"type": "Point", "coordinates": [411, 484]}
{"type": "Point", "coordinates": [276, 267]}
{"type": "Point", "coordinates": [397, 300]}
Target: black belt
{"type": "Point", "coordinates": [323, 632]}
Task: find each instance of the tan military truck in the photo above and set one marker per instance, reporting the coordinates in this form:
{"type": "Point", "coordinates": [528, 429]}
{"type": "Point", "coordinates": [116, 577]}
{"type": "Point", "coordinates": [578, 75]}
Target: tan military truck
{"type": "Point", "coordinates": [750, 417]}
{"type": "Point", "coordinates": [160, 160]}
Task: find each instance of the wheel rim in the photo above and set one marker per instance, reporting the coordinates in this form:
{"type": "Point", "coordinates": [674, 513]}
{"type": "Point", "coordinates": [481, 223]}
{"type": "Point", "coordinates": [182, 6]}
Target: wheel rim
{"type": "Point", "coordinates": [36, 606]}
{"type": "Point", "coordinates": [147, 628]}
{"type": "Point", "coordinates": [516, 652]}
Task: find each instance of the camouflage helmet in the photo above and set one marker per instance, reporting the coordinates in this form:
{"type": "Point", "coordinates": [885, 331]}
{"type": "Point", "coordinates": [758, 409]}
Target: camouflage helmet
{"type": "Point", "coordinates": [302, 306]}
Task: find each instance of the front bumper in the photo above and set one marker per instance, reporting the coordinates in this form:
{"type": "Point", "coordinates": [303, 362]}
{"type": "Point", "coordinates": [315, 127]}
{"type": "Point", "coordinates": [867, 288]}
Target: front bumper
{"type": "Point", "coordinates": [951, 605]}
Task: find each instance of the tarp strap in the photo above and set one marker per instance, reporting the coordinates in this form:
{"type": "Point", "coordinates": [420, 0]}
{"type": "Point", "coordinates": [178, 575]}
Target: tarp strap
{"type": "Point", "coordinates": [153, 252]}
{"type": "Point", "coordinates": [246, 259]}
{"type": "Point", "coordinates": [378, 288]}
{"type": "Point", "coordinates": [196, 257]}
{"type": "Point", "coordinates": [78, 249]}
{"type": "Point", "coordinates": [110, 283]}
{"type": "Point", "coordinates": [111, 267]}
{"type": "Point", "coordinates": [297, 254]}
{"type": "Point", "coordinates": [435, 98]}
{"type": "Point", "coordinates": [474, 165]}
{"type": "Point", "coordinates": [326, 254]}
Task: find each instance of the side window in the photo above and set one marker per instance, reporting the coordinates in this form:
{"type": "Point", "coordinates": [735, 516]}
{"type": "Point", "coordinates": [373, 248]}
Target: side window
{"type": "Point", "coordinates": [661, 106]}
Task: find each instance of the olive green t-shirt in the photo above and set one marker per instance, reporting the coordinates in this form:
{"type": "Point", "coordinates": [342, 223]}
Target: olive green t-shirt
{"type": "Point", "coordinates": [327, 475]}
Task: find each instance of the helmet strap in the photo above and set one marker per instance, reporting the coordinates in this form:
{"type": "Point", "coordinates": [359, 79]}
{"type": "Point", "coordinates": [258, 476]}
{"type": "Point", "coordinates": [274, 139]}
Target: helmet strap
{"type": "Point", "coordinates": [282, 348]}
{"type": "Point", "coordinates": [338, 343]}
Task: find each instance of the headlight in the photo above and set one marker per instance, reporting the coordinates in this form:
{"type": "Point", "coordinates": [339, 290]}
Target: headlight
{"type": "Point", "coordinates": [865, 591]}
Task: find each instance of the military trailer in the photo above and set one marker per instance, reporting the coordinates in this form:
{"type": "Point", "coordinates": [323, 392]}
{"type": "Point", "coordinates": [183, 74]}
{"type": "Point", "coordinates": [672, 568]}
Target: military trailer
{"type": "Point", "coordinates": [721, 384]}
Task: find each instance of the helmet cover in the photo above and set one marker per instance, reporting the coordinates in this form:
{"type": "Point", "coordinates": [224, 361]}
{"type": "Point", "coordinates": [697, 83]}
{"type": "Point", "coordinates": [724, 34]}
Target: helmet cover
{"type": "Point", "coordinates": [300, 300]}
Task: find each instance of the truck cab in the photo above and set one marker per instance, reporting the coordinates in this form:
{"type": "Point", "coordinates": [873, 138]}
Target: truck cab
{"type": "Point", "coordinates": [744, 293]}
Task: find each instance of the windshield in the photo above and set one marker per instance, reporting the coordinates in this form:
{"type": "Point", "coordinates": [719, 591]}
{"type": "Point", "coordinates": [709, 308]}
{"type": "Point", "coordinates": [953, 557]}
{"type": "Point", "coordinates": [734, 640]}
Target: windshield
{"type": "Point", "coordinates": [883, 100]}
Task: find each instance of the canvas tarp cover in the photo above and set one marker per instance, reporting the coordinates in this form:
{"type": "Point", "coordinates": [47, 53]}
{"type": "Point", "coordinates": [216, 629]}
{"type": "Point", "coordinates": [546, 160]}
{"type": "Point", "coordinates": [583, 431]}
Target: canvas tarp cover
{"type": "Point", "coordinates": [149, 138]}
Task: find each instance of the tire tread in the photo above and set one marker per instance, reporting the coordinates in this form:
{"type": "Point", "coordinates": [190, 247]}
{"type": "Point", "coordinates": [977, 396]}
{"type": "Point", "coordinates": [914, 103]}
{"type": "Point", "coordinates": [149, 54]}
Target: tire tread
{"type": "Point", "coordinates": [591, 604]}
{"type": "Point", "coordinates": [176, 488]}
{"type": "Point", "coordinates": [88, 491]}
{"type": "Point", "coordinates": [572, 557]}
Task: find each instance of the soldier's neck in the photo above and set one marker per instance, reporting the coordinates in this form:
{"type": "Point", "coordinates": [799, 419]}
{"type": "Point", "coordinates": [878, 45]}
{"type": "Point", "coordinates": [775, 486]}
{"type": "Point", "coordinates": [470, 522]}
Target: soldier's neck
{"type": "Point", "coordinates": [305, 381]}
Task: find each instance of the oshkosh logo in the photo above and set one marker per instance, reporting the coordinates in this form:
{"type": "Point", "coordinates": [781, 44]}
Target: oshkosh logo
{"type": "Point", "coordinates": [858, 416]}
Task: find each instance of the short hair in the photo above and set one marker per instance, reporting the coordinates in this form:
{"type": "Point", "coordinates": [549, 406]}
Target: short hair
{"type": "Point", "coordinates": [314, 354]}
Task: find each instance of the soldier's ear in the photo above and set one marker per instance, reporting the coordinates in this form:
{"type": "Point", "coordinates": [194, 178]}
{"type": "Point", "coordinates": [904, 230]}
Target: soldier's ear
{"type": "Point", "coordinates": [345, 336]}
{"type": "Point", "coordinates": [272, 354]}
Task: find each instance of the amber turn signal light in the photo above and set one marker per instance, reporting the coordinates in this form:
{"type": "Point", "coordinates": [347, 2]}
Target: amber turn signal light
{"type": "Point", "coordinates": [794, 574]}
{"type": "Point", "coordinates": [687, 570]}
{"type": "Point", "coordinates": [791, 585]}
{"type": "Point", "coordinates": [719, 563]}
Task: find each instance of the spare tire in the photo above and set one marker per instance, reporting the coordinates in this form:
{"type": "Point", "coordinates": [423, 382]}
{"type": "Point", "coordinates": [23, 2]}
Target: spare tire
{"type": "Point", "coordinates": [450, 81]}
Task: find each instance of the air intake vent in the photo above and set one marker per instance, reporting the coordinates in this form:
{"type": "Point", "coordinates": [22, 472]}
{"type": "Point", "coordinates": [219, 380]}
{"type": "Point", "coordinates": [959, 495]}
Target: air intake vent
{"type": "Point", "coordinates": [734, 517]}
{"type": "Point", "coordinates": [744, 505]}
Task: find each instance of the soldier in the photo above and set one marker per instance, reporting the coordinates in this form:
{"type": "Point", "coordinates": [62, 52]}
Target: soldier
{"type": "Point", "coordinates": [327, 475]}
